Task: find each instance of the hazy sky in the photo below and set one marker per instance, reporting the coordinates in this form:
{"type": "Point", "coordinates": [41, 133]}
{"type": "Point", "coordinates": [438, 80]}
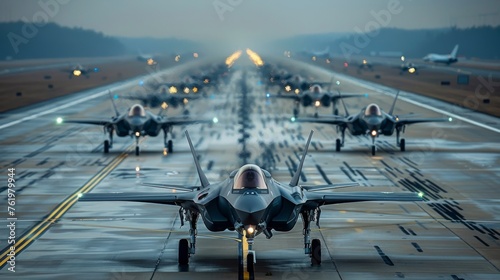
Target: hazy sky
{"type": "Point", "coordinates": [250, 20]}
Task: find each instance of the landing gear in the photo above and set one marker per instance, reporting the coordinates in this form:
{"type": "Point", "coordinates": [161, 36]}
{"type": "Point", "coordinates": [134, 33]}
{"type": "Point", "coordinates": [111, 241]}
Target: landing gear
{"type": "Point", "coordinates": [137, 150]}
{"type": "Point", "coordinates": [108, 143]}
{"type": "Point", "coordinates": [312, 249]}
{"type": "Point", "coordinates": [340, 143]}
{"type": "Point", "coordinates": [183, 252]}
{"type": "Point", "coordinates": [295, 112]}
{"type": "Point", "coordinates": [251, 265]}
{"type": "Point", "coordinates": [400, 143]}
{"type": "Point", "coordinates": [316, 252]}
{"type": "Point", "coordinates": [374, 148]}
{"type": "Point", "coordinates": [335, 111]}
{"type": "Point", "coordinates": [337, 145]}
{"type": "Point", "coordinates": [187, 248]}
{"type": "Point", "coordinates": [106, 146]}
{"type": "Point", "coordinates": [170, 146]}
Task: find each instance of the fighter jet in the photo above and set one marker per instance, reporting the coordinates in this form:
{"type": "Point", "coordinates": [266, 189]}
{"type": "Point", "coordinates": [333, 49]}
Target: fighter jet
{"type": "Point", "coordinates": [316, 96]}
{"type": "Point", "coordinates": [164, 98]}
{"type": "Point", "coordinates": [138, 122]}
{"type": "Point", "coordinates": [371, 121]}
{"type": "Point", "coordinates": [443, 58]}
{"type": "Point", "coordinates": [78, 70]}
{"type": "Point", "coordinates": [251, 202]}
{"type": "Point", "coordinates": [297, 84]}
{"type": "Point", "coordinates": [315, 55]}
{"type": "Point", "coordinates": [408, 67]}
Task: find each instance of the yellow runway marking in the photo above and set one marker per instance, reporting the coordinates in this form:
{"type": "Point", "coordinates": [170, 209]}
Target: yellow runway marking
{"type": "Point", "coordinates": [61, 209]}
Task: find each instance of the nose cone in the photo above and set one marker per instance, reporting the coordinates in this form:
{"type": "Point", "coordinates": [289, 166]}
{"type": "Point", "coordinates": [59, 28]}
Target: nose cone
{"type": "Point", "coordinates": [250, 208]}
{"type": "Point", "coordinates": [136, 123]}
{"type": "Point", "coordinates": [373, 121]}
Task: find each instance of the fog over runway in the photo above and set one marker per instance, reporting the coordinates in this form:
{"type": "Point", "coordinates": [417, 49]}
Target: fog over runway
{"type": "Point", "coordinates": [453, 234]}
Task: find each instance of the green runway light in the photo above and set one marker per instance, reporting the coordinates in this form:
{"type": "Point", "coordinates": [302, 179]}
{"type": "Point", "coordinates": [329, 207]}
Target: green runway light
{"type": "Point", "coordinates": [450, 119]}
{"type": "Point", "coordinates": [59, 120]}
{"type": "Point", "coordinates": [421, 194]}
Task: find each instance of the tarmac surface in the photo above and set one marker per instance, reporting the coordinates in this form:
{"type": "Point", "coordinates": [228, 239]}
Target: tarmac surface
{"type": "Point", "coordinates": [453, 234]}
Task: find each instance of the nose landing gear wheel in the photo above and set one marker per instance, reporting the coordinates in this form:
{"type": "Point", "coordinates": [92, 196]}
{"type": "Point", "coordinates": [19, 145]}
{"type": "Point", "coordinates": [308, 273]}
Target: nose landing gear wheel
{"type": "Point", "coordinates": [316, 252]}
{"type": "Point", "coordinates": [183, 252]}
{"type": "Point", "coordinates": [106, 146]}
{"type": "Point", "coordinates": [250, 266]}
{"type": "Point", "coordinates": [373, 150]}
{"type": "Point", "coordinates": [337, 145]}
{"type": "Point", "coordinates": [136, 151]}
{"type": "Point", "coordinates": [170, 146]}
{"type": "Point", "coordinates": [402, 145]}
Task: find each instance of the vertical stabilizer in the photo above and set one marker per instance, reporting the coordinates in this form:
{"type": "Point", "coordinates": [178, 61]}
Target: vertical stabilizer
{"type": "Point", "coordinates": [113, 102]}
{"type": "Point", "coordinates": [394, 104]}
{"type": "Point", "coordinates": [295, 180]}
{"type": "Point", "coordinates": [454, 51]}
{"type": "Point", "coordinates": [343, 103]}
{"type": "Point", "coordinates": [203, 179]}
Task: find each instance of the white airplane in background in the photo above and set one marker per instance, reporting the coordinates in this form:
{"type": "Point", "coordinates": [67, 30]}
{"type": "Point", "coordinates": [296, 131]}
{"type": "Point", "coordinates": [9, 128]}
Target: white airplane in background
{"type": "Point", "coordinates": [443, 58]}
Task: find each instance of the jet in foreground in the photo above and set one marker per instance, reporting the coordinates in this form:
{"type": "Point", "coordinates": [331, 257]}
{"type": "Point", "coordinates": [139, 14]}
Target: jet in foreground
{"type": "Point", "coordinates": [371, 121]}
{"type": "Point", "coordinates": [138, 122]}
{"type": "Point", "coordinates": [443, 58]}
{"type": "Point", "coordinates": [251, 202]}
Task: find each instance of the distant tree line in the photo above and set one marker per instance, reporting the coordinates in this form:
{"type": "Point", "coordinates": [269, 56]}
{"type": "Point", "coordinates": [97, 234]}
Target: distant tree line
{"type": "Point", "coordinates": [25, 40]}
{"type": "Point", "coordinates": [21, 40]}
{"type": "Point", "coordinates": [475, 42]}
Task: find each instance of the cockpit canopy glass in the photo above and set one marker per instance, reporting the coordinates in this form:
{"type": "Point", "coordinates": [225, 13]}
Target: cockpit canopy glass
{"type": "Point", "coordinates": [373, 110]}
{"type": "Point", "coordinates": [137, 111]}
{"type": "Point", "coordinates": [249, 177]}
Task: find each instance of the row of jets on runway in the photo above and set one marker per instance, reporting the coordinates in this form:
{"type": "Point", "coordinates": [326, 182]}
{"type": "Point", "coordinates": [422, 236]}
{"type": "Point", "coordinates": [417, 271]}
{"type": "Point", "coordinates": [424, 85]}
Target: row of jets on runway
{"type": "Point", "coordinates": [370, 121]}
{"type": "Point", "coordinates": [249, 201]}
{"type": "Point", "coordinates": [138, 122]}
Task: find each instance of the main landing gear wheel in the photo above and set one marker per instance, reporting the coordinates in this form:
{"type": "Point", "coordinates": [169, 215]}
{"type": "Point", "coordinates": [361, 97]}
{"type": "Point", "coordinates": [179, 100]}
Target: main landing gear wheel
{"type": "Point", "coordinates": [183, 252]}
{"type": "Point", "coordinates": [170, 146]}
{"type": "Point", "coordinates": [373, 150]}
{"type": "Point", "coordinates": [295, 112]}
{"type": "Point", "coordinates": [338, 144]}
{"type": "Point", "coordinates": [106, 146]}
{"type": "Point", "coordinates": [250, 266]}
{"type": "Point", "coordinates": [136, 151]}
{"type": "Point", "coordinates": [316, 252]}
{"type": "Point", "coordinates": [336, 112]}
{"type": "Point", "coordinates": [402, 145]}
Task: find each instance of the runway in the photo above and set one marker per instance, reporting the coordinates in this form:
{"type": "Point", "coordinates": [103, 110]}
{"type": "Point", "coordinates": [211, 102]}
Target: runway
{"type": "Point", "coordinates": [453, 234]}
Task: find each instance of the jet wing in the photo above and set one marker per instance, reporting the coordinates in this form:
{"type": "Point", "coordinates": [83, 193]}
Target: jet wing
{"type": "Point", "coordinates": [181, 121]}
{"type": "Point", "coordinates": [334, 120]}
{"type": "Point", "coordinates": [94, 122]}
{"type": "Point", "coordinates": [403, 122]}
{"type": "Point", "coordinates": [347, 95]}
{"type": "Point", "coordinates": [158, 198]}
{"type": "Point", "coordinates": [325, 198]}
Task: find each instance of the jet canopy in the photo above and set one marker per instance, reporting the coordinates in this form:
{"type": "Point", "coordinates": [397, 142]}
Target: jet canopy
{"type": "Point", "coordinates": [249, 176]}
{"type": "Point", "coordinates": [316, 89]}
{"type": "Point", "coordinates": [373, 110]}
{"type": "Point", "coordinates": [137, 111]}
